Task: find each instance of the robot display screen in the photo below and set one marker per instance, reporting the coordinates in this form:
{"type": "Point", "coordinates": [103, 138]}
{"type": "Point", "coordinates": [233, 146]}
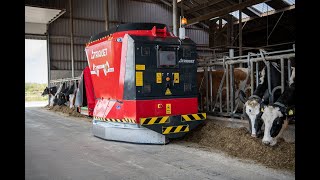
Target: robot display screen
{"type": "Point", "coordinates": [167, 58]}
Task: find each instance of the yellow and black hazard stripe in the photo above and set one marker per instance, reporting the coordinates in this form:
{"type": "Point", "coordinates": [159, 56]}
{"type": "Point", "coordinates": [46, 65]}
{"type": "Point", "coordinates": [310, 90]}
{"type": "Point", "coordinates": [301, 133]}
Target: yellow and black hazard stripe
{"type": "Point", "coordinates": [125, 120]}
{"type": "Point", "coordinates": [193, 117]}
{"type": "Point", "coordinates": [154, 120]}
{"type": "Point", "coordinates": [175, 129]}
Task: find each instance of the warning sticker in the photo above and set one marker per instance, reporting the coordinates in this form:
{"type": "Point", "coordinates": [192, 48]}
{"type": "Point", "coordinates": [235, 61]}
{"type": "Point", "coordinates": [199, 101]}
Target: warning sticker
{"type": "Point", "coordinates": [168, 108]}
{"type": "Point", "coordinates": [139, 78]}
{"type": "Point", "coordinates": [176, 77]}
{"type": "Point", "coordinates": [159, 77]}
{"type": "Point", "coordinates": [140, 67]}
{"type": "Point", "coordinates": [168, 92]}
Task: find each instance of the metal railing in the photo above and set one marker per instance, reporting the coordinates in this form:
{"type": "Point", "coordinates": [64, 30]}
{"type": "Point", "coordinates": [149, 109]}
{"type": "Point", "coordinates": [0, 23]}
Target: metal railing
{"type": "Point", "coordinates": [251, 61]}
{"type": "Point", "coordinates": [74, 80]}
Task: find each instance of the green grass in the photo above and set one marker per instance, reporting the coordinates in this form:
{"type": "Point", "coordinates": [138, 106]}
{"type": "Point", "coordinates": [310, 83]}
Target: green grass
{"type": "Point", "coordinates": [33, 92]}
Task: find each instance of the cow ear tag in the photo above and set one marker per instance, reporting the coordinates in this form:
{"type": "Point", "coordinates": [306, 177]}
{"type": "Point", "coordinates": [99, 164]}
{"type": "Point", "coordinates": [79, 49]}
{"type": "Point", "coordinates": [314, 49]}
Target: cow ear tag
{"type": "Point", "coordinates": [262, 109]}
{"type": "Point", "coordinates": [290, 112]}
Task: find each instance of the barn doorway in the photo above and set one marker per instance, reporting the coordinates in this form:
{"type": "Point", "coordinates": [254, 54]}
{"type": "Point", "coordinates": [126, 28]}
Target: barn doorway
{"type": "Point", "coordinates": [36, 72]}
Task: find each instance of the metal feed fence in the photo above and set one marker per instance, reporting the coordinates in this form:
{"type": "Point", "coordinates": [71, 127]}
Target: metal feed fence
{"type": "Point", "coordinates": [69, 81]}
{"type": "Point", "coordinates": [227, 64]}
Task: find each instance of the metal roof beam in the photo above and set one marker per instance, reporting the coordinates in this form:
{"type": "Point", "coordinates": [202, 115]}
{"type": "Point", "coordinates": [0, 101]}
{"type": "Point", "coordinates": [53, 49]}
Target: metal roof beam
{"type": "Point", "coordinates": [170, 5]}
{"type": "Point", "coordinates": [202, 6]}
{"type": "Point", "coordinates": [248, 10]}
{"type": "Point", "coordinates": [255, 11]}
{"type": "Point", "coordinates": [166, 2]}
{"type": "Point", "coordinates": [277, 4]}
{"type": "Point", "coordinates": [267, 13]}
{"type": "Point", "coordinates": [224, 11]}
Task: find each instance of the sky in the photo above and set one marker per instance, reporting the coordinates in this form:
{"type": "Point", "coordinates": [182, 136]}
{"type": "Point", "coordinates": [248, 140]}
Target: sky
{"type": "Point", "coordinates": [36, 68]}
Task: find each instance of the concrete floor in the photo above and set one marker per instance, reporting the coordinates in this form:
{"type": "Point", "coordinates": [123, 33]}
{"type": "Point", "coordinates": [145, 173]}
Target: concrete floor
{"type": "Point", "coordinates": [62, 147]}
{"type": "Point", "coordinates": [36, 103]}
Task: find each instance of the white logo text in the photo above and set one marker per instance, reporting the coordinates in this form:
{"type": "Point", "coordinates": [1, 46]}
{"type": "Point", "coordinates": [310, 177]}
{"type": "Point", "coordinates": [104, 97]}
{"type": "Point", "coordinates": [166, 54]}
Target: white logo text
{"type": "Point", "coordinates": [99, 53]}
{"type": "Point", "coordinates": [186, 61]}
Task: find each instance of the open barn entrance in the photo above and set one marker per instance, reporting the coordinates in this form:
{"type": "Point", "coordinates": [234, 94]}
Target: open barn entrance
{"type": "Point", "coordinates": [36, 71]}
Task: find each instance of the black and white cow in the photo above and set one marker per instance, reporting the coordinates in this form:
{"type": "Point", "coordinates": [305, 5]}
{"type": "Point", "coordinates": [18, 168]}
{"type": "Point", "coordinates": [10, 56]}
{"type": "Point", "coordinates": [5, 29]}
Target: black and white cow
{"type": "Point", "coordinates": [252, 108]}
{"type": "Point", "coordinates": [61, 95]}
{"type": "Point", "coordinates": [275, 116]}
{"type": "Point", "coordinates": [69, 95]}
{"type": "Point", "coordinates": [50, 90]}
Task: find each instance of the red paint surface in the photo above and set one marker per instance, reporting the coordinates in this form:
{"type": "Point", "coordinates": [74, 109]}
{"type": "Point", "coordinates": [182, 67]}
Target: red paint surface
{"type": "Point", "coordinates": [136, 109]}
{"type": "Point", "coordinates": [109, 88]}
{"type": "Point", "coordinates": [89, 90]}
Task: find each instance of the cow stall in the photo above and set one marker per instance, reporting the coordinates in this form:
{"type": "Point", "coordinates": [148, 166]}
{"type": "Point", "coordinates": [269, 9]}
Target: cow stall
{"type": "Point", "coordinates": [72, 95]}
{"type": "Point", "coordinates": [222, 98]}
{"type": "Point", "coordinates": [65, 87]}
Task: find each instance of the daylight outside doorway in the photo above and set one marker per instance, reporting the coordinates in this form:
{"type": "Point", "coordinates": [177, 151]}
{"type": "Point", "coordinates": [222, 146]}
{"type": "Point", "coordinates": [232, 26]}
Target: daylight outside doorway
{"type": "Point", "coordinates": [36, 72]}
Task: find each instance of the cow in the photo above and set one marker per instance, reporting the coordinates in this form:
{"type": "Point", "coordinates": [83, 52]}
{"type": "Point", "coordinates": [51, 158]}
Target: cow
{"type": "Point", "coordinates": [70, 95]}
{"type": "Point", "coordinates": [276, 116]}
{"type": "Point", "coordinates": [72, 98]}
{"type": "Point", "coordinates": [68, 91]}
{"type": "Point", "coordinates": [59, 98]}
{"type": "Point", "coordinates": [51, 91]}
{"type": "Point", "coordinates": [63, 96]}
{"type": "Point", "coordinates": [240, 74]}
{"type": "Point", "coordinates": [252, 105]}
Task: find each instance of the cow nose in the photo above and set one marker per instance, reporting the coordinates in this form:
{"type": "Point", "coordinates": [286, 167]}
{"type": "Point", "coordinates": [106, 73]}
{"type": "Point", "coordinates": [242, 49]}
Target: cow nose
{"type": "Point", "coordinates": [273, 143]}
{"type": "Point", "coordinates": [266, 142]}
{"type": "Point", "coordinates": [253, 135]}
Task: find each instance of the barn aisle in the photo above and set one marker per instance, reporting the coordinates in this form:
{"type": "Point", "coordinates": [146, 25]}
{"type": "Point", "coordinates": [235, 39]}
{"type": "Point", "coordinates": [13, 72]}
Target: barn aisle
{"type": "Point", "coordinates": [62, 147]}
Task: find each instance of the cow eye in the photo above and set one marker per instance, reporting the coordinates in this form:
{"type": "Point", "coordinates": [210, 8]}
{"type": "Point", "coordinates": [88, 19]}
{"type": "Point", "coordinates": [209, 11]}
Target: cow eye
{"type": "Point", "coordinates": [249, 110]}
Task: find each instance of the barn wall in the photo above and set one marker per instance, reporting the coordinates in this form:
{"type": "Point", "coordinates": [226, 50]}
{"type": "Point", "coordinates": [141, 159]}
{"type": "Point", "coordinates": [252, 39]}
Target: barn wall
{"type": "Point", "coordinates": [89, 19]}
{"type": "Point", "coordinates": [59, 74]}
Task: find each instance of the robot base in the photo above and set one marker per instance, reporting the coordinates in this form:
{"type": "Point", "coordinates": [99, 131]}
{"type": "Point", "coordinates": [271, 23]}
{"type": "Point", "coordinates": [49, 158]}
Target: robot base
{"type": "Point", "coordinates": [127, 133]}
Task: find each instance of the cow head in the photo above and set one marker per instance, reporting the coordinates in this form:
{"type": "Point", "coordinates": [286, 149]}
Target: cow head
{"type": "Point", "coordinates": [275, 115]}
{"type": "Point", "coordinates": [273, 118]}
{"type": "Point", "coordinates": [45, 91]}
{"type": "Point", "coordinates": [252, 110]}
{"type": "Point", "coordinates": [49, 91]}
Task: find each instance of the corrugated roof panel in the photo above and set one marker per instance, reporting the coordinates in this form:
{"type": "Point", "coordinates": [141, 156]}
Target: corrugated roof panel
{"type": "Point", "coordinates": [223, 22]}
{"type": "Point", "coordinates": [291, 2]}
{"type": "Point", "coordinates": [236, 14]}
{"type": "Point", "coordinates": [40, 15]}
{"type": "Point", "coordinates": [48, 3]}
{"type": "Point", "coordinates": [262, 7]}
